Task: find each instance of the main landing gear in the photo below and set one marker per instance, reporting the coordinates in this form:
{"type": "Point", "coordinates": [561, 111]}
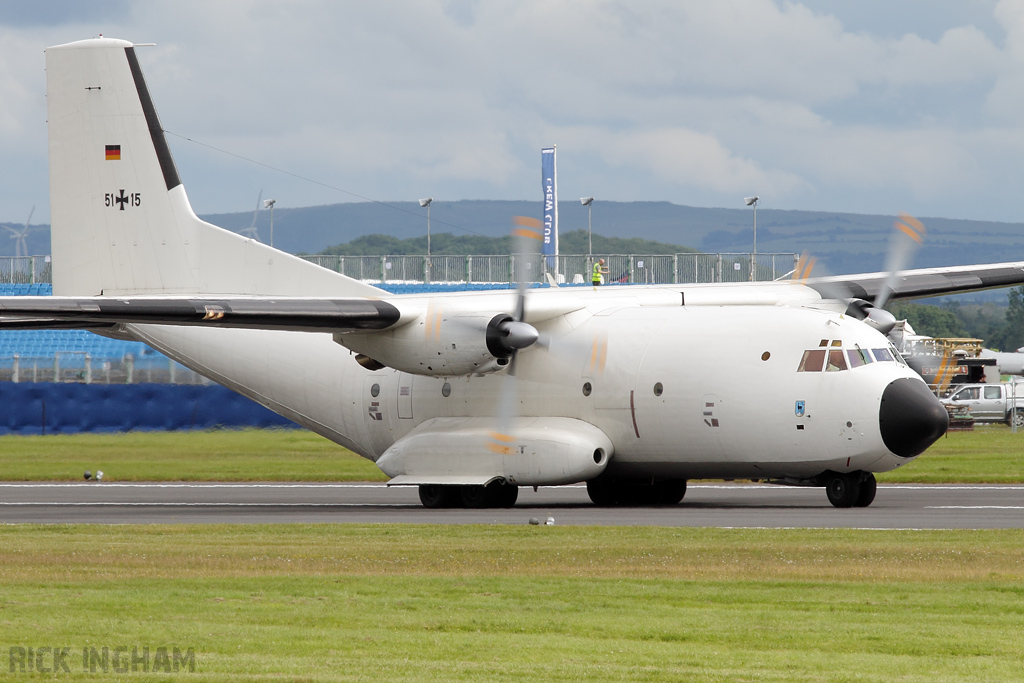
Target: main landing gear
{"type": "Point", "coordinates": [607, 492]}
{"type": "Point", "coordinates": [495, 495]}
{"type": "Point", "coordinates": [852, 489]}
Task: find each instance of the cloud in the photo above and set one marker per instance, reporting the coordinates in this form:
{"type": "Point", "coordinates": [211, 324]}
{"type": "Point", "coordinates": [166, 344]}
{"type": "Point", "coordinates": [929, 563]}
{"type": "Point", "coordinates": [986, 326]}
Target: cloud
{"type": "Point", "coordinates": [692, 100]}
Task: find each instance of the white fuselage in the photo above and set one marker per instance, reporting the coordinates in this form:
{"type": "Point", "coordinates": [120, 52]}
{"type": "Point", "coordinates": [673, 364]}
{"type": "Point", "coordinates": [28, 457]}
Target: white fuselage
{"type": "Point", "coordinates": [694, 391]}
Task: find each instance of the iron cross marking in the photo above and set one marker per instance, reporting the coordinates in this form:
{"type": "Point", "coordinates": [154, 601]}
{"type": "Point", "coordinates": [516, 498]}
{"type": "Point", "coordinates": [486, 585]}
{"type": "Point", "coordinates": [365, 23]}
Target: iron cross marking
{"type": "Point", "coordinates": [121, 200]}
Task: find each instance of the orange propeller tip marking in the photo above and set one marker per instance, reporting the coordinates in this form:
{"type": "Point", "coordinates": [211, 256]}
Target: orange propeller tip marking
{"type": "Point", "coordinates": [907, 218]}
{"type": "Point", "coordinates": [526, 232]}
{"type": "Point", "coordinates": [908, 231]}
{"type": "Point", "coordinates": [526, 221]}
{"type": "Point", "coordinates": [498, 436]}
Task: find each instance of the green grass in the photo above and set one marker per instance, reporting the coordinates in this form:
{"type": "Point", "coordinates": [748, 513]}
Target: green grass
{"type": "Point", "coordinates": [990, 454]}
{"type": "Point", "coordinates": [214, 455]}
{"type": "Point", "coordinates": [419, 603]}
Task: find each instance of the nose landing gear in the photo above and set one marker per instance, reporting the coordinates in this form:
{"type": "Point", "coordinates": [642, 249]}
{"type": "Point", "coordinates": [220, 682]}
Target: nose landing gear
{"type": "Point", "coordinates": [852, 489]}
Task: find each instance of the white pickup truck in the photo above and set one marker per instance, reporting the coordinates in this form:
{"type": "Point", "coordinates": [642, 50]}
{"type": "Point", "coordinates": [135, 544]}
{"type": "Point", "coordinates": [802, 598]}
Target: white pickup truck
{"type": "Point", "coordinates": [990, 402]}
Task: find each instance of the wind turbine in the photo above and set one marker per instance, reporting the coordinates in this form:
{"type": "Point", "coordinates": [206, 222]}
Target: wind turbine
{"type": "Point", "coordinates": [251, 231]}
{"type": "Point", "coordinates": [20, 248]}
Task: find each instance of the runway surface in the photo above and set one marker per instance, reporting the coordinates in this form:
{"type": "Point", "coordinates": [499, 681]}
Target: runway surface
{"type": "Point", "coordinates": [705, 505]}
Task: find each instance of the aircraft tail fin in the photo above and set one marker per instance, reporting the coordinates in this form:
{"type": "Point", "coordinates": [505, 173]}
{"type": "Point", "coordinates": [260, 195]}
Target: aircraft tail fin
{"type": "Point", "coordinates": [121, 222]}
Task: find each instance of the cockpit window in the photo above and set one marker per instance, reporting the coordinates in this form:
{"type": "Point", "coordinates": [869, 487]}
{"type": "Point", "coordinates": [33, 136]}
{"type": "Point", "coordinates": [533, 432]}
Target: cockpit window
{"type": "Point", "coordinates": [836, 361]}
{"type": "Point", "coordinates": [883, 355]}
{"type": "Point", "coordinates": [859, 357]}
{"type": "Point", "coordinates": [812, 361]}
{"type": "Point", "coordinates": [830, 356]}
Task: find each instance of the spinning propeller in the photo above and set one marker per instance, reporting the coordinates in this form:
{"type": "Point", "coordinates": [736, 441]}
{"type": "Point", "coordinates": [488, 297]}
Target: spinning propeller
{"type": "Point", "coordinates": [511, 333]}
{"type": "Point", "coordinates": [908, 235]}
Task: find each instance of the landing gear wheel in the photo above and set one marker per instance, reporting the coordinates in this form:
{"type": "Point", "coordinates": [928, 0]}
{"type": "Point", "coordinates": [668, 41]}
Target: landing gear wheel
{"type": "Point", "coordinates": [868, 486]}
{"type": "Point", "coordinates": [668, 492]}
{"type": "Point", "coordinates": [476, 496]}
{"type": "Point", "coordinates": [497, 494]}
{"type": "Point", "coordinates": [603, 492]}
{"type": "Point", "coordinates": [438, 496]}
{"type": "Point", "coordinates": [506, 496]}
{"type": "Point", "coordinates": [842, 489]}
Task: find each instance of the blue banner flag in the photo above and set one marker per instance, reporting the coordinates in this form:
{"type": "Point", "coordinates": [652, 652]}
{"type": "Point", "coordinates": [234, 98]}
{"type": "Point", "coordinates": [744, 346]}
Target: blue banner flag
{"type": "Point", "coordinates": [549, 185]}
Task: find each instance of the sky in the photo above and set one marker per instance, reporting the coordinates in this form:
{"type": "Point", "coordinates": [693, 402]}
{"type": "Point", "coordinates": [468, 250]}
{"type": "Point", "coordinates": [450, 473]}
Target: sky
{"type": "Point", "coordinates": [870, 106]}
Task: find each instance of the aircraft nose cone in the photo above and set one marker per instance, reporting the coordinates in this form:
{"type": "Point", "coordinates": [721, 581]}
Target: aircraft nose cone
{"type": "Point", "coordinates": [910, 417]}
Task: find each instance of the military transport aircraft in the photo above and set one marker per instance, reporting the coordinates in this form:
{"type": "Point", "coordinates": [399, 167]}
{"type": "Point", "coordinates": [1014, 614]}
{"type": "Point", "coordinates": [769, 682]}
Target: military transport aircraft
{"type": "Point", "coordinates": [634, 390]}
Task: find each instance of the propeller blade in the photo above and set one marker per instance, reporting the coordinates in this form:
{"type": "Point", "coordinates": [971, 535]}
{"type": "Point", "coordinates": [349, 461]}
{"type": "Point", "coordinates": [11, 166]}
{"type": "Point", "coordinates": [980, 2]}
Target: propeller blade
{"type": "Point", "coordinates": [907, 239]}
{"type": "Point", "coordinates": [515, 334]}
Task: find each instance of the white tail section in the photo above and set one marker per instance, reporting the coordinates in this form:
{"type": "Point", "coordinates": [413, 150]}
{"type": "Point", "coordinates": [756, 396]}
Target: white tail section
{"type": "Point", "coordinates": [121, 221]}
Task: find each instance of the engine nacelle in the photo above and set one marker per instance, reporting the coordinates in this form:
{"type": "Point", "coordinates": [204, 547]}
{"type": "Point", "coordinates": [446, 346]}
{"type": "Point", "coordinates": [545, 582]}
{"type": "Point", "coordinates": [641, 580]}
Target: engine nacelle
{"type": "Point", "coordinates": [458, 344]}
{"type": "Point", "coordinates": [880, 319]}
{"type": "Point", "coordinates": [539, 451]}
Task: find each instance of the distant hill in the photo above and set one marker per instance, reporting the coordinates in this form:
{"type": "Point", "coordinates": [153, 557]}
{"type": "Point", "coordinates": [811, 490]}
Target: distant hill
{"type": "Point", "coordinates": [843, 243]}
{"type": "Point", "coordinates": [446, 243]}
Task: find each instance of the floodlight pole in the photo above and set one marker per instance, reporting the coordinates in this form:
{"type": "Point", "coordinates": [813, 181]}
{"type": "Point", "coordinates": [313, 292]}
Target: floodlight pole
{"type": "Point", "coordinates": [427, 202]}
{"type": "Point", "coordinates": [589, 203]}
{"type": "Point", "coordinates": [269, 204]}
{"type": "Point", "coordinates": [752, 201]}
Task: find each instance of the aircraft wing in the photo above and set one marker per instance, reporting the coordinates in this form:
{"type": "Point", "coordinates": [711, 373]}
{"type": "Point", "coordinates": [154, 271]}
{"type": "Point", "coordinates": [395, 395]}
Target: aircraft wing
{"type": "Point", "coordinates": [286, 313]}
{"type": "Point", "coordinates": [922, 282]}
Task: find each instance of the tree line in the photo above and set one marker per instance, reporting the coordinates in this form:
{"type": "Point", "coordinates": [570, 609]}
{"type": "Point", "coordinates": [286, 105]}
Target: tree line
{"type": "Point", "coordinates": [447, 244]}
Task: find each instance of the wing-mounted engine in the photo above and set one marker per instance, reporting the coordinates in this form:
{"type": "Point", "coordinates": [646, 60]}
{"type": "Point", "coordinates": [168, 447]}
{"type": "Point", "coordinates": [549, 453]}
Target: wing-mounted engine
{"type": "Point", "coordinates": [436, 344]}
{"type": "Point", "coordinates": [879, 318]}
{"type": "Point", "coordinates": [545, 451]}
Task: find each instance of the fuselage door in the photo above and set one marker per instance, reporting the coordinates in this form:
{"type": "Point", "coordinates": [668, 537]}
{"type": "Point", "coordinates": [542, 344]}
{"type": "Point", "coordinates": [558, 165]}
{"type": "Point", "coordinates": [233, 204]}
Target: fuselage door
{"type": "Point", "coordinates": [405, 396]}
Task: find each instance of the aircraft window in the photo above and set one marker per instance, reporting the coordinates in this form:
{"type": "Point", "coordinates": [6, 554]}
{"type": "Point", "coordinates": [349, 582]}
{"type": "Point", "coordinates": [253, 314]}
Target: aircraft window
{"type": "Point", "coordinates": [823, 342]}
{"type": "Point", "coordinates": [858, 357]}
{"type": "Point", "coordinates": [812, 361]}
{"type": "Point", "coordinates": [446, 390]}
{"type": "Point", "coordinates": [836, 361]}
{"type": "Point", "coordinates": [882, 355]}
{"type": "Point", "coordinates": [993, 392]}
{"type": "Point", "coordinates": [837, 342]}
{"type": "Point", "coordinates": [375, 390]}
{"type": "Point", "coordinates": [658, 389]}
{"type": "Point", "coordinates": [587, 388]}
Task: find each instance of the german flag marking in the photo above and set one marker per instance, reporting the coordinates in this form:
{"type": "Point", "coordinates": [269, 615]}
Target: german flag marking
{"type": "Point", "coordinates": [113, 152]}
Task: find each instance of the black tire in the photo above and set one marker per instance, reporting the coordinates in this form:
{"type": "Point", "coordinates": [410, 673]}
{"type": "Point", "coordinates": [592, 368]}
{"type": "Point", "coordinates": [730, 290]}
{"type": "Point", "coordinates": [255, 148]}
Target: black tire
{"type": "Point", "coordinates": [603, 492]}
{"type": "Point", "coordinates": [477, 496]}
{"type": "Point", "coordinates": [1018, 417]}
{"type": "Point", "coordinates": [842, 489]}
{"type": "Point", "coordinates": [668, 492]}
{"type": "Point", "coordinates": [438, 496]}
{"type": "Point", "coordinates": [507, 496]}
{"type": "Point", "coordinates": [868, 487]}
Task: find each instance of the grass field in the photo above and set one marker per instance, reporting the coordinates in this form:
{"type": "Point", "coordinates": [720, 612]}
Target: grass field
{"type": "Point", "coordinates": [497, 603]}
{"type": "Point", "coordinates": [987, 455]}
{"type": "Point", "coordinates": [417, 603]}
{"type": "Point", "coordinates": [214, 455]}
